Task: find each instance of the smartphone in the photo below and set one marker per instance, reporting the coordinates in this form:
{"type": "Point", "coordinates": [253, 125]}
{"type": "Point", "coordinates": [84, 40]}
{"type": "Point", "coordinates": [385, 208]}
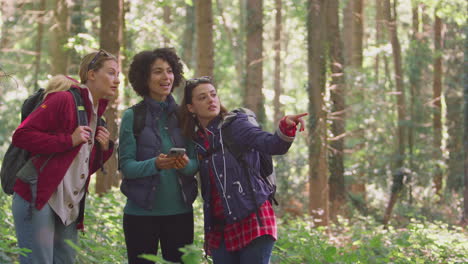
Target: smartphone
{"type": "Point", "coordinates": [175, 152]}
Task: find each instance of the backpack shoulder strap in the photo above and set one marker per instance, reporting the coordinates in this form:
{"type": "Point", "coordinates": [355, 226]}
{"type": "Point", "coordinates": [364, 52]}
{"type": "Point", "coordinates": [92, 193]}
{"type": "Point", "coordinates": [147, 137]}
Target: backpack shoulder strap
{"type": "Point", "coordinates": [139, 117]}
{"type": "Point", "coordinates": [82, 116]}
{"type": "Point", "coordinates": [228, 141]}
{"type": "Point", "coordinates": [31, 103]}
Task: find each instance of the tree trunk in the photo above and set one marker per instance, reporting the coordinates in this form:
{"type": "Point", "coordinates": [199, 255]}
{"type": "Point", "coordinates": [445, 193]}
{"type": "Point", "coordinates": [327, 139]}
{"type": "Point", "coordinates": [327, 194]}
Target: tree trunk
{"type": "Point", "coordinates": [353, 31]}
{"type": "Point", "coordinates": [453, 77]}
{"type": "Point", "coordinates": [8, 11]}
{"type": "Point", "coordinates": [400, 93]}
{"type": "Point", "coordinates": [465, 137]}
{"type": "Point", "coordinates": [204, 30]}
{"type": "Point", "coordinates": [318, 178]}
{"type": "Point", "coordinates": [336, 156]}
{"type": "Point", "coordinates": [278, 112]}
{"type": "Point", "coordinates": [234, 39]}
{"type": "Point", "coordinates": [353, 54]}
{"type": "Point", "coordinates": [40, 35]}
{"type": "Point", "coordinates": [189, 36]}
{"type": "Point", "coordinates": [437, 112]}
{"type": "Point", "coordinates": [167, 21]}
{"type": "Point", "coordinates": [110, 39]}
{"type": "Point", "coordinates": [358, 33]}
{"type": "Point", "coordinates": [379, 18]}
{"type": "Point", "coordinates": [253, 98]}
{"type": "Point", "coordinates": [60, 28]}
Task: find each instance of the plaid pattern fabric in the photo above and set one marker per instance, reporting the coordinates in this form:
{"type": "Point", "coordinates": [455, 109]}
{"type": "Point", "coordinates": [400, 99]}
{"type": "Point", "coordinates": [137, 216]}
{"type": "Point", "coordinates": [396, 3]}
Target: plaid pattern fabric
{"type": "Point", "coordinates": [240, 234]}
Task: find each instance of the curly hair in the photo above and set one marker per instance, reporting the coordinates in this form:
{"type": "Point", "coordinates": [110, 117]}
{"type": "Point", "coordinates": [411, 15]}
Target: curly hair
{"type": "Point", "coordinates": [140, 68]}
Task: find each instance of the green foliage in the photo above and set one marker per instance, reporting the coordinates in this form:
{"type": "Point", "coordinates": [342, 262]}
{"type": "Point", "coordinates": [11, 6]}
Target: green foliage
{"type": "Point", "coordinates": [359, 240]}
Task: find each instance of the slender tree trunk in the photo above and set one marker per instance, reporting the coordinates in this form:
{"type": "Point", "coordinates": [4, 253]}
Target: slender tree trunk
{"type": "Point", "coordinates": [110, 39]}
{"type": "Point", "coordinates": [167, 21]}
{"type": "Point", "coordinates": [358, 33]}
{"type": "Point", "coordinates": [318, 177]}
{"type": "Point", "coordinates": [348, 31]}
{"type": "Point", "coordinates": [8, 11]}
{"type": "Point", "coordinates": [242, 35]}
{"type": "Point", "coordinates": [465, 134]}
{"type": "Point", "coordinates": [40, 35]}
{"type": "Point", "coordinates": [189, 36]}
{"type": "Point", "coordinates": [437, 111]}
{"type": "Point", "coordinates": [453, 77]}
{"type": "Point", "coordinates": [336, 156]}
{"type": "Point", "coordinates": [253, 98]}
{"type": "Point", "coordinates": [235, 40]}
{"type": "Point", "coordinates": [379, 18]}
{"type": "Point", "coordinates": [278, 113]}
{"type": "Point", "coordinates": [353, 54]}
{"type": "Point", "coordinates": [204, 30]}
{"type": "Point", "coordinates": [401, 108]}
{"type": "Point", "coordinates": [414, 79]}
{"type": "Point", "coordinates": [59, 38]}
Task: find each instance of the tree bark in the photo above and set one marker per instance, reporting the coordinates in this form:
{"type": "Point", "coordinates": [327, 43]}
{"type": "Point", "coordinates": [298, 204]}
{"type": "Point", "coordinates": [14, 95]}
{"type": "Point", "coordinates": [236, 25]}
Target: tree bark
{"type": "Point", "coordinates": [59, 38]}
{"type": "Point", "coordinates": [453, 77]}
{"type": "Point", "coordinates": [110, 39]}
{"type": "Point", "coordinates": [379, 18]}
{"type": "Point", "coordinates": [318, 177]}
{"type": "Point", "coordinates": [253, 98]}
{"type": "Point", "coordinates": [336, 156]}
{"type": "Point", "coordinates": [167, 21]}
{"type": "Point", "coordinates": [204, 31]}
{"type": "Point", "coordinates": [40, 35]}
{"type": "Point", "coordinates": [278, 112]}
{"type": "Point", "coordinates": [401, 108]}
{"type": "Point", "coordinates": [437, 112]}
{"type": "Point", "coordinates": [8, 9]}
{"type": "Point", "coordinates": [465, 136]}
{"type": "Point", "coordinates": [189, 36]}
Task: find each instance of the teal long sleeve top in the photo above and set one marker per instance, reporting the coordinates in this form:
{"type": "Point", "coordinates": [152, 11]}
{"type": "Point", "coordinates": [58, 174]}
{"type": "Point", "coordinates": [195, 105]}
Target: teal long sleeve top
{"type": "Point", "coordinates": [168, 199]}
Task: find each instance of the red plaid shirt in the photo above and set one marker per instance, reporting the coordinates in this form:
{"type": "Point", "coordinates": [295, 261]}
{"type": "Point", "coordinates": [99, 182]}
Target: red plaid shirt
{"type": "Point", "coordinates": [239, 234]}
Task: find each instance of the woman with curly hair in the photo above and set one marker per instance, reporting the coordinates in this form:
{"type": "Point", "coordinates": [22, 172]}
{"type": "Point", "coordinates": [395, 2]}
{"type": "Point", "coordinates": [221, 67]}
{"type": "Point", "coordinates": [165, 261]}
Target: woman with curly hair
{"type": "Point", "coordinates": [160, 188]}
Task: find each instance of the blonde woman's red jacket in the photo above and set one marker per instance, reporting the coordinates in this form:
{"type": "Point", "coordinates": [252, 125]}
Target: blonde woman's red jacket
{"type": "Point", "coordinates": [48, 130]}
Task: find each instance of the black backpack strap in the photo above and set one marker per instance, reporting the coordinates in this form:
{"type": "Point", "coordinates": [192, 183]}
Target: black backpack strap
{"type": "Point", "coordinates": [82, 116]}
{"type": "Point", "coordinates": [139, 117]}
{"type": "Point", "coordinates": [31, 103]}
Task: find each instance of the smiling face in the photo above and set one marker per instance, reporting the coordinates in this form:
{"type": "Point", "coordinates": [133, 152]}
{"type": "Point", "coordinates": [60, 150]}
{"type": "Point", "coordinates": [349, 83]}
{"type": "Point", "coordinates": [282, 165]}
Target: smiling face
{"type": "Point", "coordinates": [104, 82]}
{"type": "Point", "coordinates": [160, 80]}
{"type": "Point", "coordinates": [205, 103]}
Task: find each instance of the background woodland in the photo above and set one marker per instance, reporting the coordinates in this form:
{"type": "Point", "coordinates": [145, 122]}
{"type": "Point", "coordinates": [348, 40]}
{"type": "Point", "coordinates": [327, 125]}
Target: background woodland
{"type": "Point", "coordinates": [379, 175]}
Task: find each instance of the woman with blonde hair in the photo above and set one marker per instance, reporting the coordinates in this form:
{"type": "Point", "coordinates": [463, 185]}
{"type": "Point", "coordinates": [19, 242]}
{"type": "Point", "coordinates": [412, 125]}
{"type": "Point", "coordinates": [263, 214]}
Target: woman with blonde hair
{"type": "Point", "coordinates": [64, 155]}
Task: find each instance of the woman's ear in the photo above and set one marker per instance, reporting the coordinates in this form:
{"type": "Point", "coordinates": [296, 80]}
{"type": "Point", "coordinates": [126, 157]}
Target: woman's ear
{"type": "Point", "coordinates": [91, 75]}
{"type": "Point", "coordinates": [190, 108]}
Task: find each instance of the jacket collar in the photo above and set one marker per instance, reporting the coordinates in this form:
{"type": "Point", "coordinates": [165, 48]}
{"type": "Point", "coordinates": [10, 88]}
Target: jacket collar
{"type": "Point", "coordinates": [169, 105]}
{"type": "Point", "coordinates": [102, 104]}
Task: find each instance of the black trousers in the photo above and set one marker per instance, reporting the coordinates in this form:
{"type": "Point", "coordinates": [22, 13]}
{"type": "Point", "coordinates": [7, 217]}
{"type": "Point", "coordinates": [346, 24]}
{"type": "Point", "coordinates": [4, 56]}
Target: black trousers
{"type": "Point", "coordinates": [143, 233]}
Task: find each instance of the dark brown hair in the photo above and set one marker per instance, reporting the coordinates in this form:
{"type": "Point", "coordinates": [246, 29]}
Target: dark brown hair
{"type": "Point", "coordinates": [140, 68]}
{"type": "Point", "coordinates": [188, 121]}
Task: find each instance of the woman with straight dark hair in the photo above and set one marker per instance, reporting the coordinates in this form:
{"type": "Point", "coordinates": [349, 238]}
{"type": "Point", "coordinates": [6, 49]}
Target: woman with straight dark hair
{"type": "Point", "coordinates": [240, 224]}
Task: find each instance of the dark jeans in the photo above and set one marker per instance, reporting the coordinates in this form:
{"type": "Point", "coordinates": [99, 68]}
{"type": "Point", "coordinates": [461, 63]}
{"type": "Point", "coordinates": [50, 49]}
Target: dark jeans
{"type": "Point", "coordinates": [258, 252]}
{"type": "Point", "coordinates": [143, 233]}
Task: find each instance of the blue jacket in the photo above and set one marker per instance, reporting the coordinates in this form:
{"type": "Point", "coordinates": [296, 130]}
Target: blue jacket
{"type": "Point", "coordinates": [137, 162]}
{"type": "Point", "coordinates": [232, 181]}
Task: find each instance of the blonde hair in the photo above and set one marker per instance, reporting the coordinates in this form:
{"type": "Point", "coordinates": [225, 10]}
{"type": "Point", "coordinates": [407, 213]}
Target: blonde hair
{"type": "Point", "coordinates": [59, 83]}
{"type": "Point", "coordinates": [94, 61]}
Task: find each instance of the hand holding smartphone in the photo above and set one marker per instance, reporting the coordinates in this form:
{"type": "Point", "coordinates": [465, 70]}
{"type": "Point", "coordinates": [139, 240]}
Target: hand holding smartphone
{"type": "Point", "coordinates": [176, 152]}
